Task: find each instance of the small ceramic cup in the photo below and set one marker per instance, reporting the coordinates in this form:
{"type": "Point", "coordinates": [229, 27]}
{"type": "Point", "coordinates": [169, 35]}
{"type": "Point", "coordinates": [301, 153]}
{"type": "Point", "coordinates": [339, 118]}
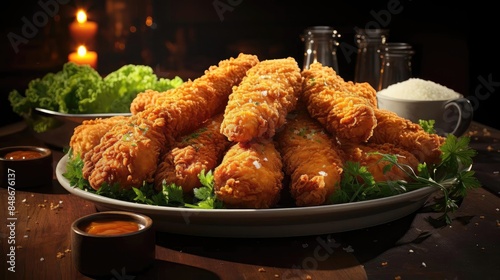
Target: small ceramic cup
{"type": "Point", "coordinates": [24, 167]}
{"type": "Point", "coordinates": [451, 116]}
{"type": "Point", "coordinates": [112, 242]}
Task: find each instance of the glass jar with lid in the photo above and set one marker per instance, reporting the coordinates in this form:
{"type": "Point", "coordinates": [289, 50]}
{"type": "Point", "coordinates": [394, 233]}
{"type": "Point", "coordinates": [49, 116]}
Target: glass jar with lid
{"type": "Point", "coordinates": [369, 42]}
{"type": "Point", "coordinates": [396, 63]}
{"type": "Point", "coordinates": [320, 43]}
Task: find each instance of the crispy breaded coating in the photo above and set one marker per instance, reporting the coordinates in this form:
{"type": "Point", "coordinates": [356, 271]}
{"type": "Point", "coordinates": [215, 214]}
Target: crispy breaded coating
{"type": "Point", "coordinates": [143, 99]}
{"type": "Point", "coordinates": [201, 150]}
{"type": "Point", "coordinates": [233, 120]}
{"type": "Point", "coordinates": [127, 154]}
{"type": "Point", "coordinates": [405, 134]}
{"type": "Point", "coordinates": [88, 134]}
{"type": "Point", "coordinates": [259, 104]}
{"type": "Point", "coordinates": [186, 107]}
{"type": "Point", "coordinates": [250, 175]}
{"type": "Point", "coordinates": [344, 109]}
{"type": "Point", "coordinates": [364, 155]}
{"type": "Point", "coordinates": [311, 158]}
{"type": "Point", "coordinates": [364, 90]}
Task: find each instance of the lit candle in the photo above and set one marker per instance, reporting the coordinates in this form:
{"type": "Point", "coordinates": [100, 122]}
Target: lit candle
{"type": "Point", "coordinates": [82, 56]}
{"type": "Point", "coordinates": [83, 31]}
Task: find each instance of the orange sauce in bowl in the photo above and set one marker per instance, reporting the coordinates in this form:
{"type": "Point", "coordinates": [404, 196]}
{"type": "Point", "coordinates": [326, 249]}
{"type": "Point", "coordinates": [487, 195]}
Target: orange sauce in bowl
{"type": "Point", "coordinates": [111, 227]}
{"type": "Point", "coordinates": [23, 154]}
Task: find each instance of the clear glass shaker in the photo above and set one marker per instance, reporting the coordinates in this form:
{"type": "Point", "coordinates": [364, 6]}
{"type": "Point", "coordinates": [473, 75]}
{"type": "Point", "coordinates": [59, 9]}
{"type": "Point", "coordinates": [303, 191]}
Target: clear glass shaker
{"type": "Point", "coordinates": [396, 64]}
{"type": "Point", "coordinates": [320, 44]}
{"type": "Point", "coordinates": [367, 68]}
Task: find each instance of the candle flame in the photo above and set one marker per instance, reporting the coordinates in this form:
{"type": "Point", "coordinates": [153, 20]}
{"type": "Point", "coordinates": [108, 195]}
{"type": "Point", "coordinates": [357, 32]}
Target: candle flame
{"type": "Point", "coordinates": [81, 16]}
{"type": "Point", "coordinates": [149, 21]}
{"type": "Point", "coordinates": [82, 50]}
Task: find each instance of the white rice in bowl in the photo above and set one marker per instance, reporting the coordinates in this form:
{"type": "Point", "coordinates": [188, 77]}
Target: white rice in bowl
{"type": "Point", "coordinates": [418, 89]}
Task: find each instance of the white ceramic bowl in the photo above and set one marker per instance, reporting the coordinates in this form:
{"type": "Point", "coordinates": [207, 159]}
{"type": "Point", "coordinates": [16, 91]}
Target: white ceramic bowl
{"type": "Point", "coordinates": [451, 116]}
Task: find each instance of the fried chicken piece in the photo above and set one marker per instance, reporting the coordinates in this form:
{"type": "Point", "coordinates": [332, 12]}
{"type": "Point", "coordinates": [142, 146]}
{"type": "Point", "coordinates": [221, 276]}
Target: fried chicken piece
{"type": "Point", "coordinates": [200, 150]}
{"type": "Point", "coordinates": [186, 107]}
{"type": "Point", "coordinates": [405, 134]}
{"type": "Point", "coordinates": [250, 175]}
{"type": "Point", "coordinates": [364, 155]}
{"type": "Point", "coordinates": [143, 99]}
{"type": "Point", "coordinates": [311, 158]}
{"type": "Point", "coordinates": [259, 104]}
{"type": "Point", "coordinates": [88, 134]}
{"type": "Point", "coordinates": [127, 154]}
{"type": "Point", "coordinates": [344, 109]}
{"type": "Point", "coordinates": [364, 90]}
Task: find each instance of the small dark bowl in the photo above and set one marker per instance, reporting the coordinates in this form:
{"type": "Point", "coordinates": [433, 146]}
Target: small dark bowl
{"type": "Point", "coordinates": [21, 173]}
{"type": "Point", "coordinates": [97, 255]}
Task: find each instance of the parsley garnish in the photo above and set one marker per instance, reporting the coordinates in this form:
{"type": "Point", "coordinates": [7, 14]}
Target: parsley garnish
{"type": "Point", "coordinates": [453, 177]}
{"type": "Point", "coordinates": [427, 126]}
{"type": "Point", "coordinates": [74, 172]}
{"type": "Point", "coordinates": [205, 196]}
{"type": "Point", "coordinates": [170, 195]}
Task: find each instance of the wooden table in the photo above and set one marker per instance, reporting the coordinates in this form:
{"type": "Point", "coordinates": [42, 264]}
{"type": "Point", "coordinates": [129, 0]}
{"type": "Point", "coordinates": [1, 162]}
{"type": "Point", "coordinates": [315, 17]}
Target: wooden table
{"type": "Point", "coordinates": [408, 248]}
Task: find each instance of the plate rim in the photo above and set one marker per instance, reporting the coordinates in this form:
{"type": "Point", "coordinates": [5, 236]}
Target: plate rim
{"type": "Point", "coordinates": [232, 217]}
{"type": "Point", "coordinates": [67, 115]}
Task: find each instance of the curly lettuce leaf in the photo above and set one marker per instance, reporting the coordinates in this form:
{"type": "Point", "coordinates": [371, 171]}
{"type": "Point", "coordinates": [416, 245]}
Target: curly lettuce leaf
{"type": "Point", "coordinates": [20, 104]}
{"type": "Point", "coordinates": [67, 91]}
{"type": "Point", "coordinates": [80, 89]}
{"type": "Point", "coordinates": [123, 85]}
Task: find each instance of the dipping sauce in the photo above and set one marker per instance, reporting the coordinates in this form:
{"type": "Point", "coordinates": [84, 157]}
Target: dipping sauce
{"type": "Point", "coordinates": [111, 227]}
{"type": "Point", "coordinates": [23, 154]}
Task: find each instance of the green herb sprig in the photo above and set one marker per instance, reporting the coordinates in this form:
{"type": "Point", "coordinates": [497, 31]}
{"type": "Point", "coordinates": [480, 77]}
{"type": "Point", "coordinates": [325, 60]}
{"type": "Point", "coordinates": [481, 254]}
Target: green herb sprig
{"type": "Point", "coordinates": [452, 176]}
{"type": "Point", "coordinates": [427, 125]}
{"type": "Point", "coordinates": [170, 195]}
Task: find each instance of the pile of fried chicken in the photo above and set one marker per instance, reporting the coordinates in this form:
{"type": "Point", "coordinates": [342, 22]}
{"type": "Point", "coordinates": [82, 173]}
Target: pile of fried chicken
{"type": "Point", "coordinates": [256, 125]}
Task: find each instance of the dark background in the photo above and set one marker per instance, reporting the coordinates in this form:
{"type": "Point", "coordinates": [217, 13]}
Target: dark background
{"type": "Point", "coordinates": [455, 42]}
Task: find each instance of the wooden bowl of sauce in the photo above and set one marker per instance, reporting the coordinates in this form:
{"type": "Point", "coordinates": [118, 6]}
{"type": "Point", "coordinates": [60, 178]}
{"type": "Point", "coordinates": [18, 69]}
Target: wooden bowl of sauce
{"type": "Point", "coordinates": [25, 167]}
{"type": "Point", "coordinates": [106, 243]}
